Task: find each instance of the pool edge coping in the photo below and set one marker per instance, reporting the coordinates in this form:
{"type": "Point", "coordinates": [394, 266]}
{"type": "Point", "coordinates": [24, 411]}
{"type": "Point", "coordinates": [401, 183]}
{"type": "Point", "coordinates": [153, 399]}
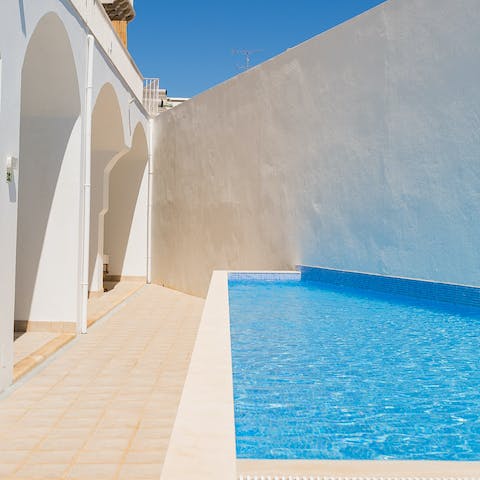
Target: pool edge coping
{"type": "Point", "coordinates": [358, 469]}
{"type": "Point", "coordinates": [202, 444]}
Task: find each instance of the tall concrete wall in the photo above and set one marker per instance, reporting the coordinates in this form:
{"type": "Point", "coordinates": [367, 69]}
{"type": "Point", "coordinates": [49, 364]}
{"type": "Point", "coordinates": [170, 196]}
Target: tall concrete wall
{"type": "Point", "coordinates": [359, 149]}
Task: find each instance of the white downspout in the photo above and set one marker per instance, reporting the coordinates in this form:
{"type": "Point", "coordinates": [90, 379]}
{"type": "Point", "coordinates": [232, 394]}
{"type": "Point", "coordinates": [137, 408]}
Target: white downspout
{"type": "Point", "coordinates": [150, 201]}
{"type": "Point", "coordinates": [87, 164]}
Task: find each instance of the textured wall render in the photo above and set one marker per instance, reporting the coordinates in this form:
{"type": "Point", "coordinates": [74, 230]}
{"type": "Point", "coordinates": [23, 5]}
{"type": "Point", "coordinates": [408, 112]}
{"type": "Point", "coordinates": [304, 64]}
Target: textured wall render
{"type": "Point", "coordinates": [357, 150]}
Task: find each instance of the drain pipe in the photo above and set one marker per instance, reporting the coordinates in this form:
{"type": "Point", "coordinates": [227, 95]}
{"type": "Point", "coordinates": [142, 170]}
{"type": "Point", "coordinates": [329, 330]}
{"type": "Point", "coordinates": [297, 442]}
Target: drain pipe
{"type": "Point", "coordinates": [87, 164]}
{"type": "Point", "coordinates": [150, 201]}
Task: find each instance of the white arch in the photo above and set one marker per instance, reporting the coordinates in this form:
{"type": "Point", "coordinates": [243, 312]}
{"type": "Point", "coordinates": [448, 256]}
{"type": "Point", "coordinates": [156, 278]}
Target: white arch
{"type": "Point", "coordinates": [126, 220]}
{"type": "Point", "coordinates": [108, 145]}
{"type": "Point", "coordinates": [48, 178]}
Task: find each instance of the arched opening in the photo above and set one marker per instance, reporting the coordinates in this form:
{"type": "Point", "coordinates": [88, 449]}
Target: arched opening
{"type": "Point", "coordinates": [126, 220]}
{"type": "Point", "coordinates": [47, 263]}
{"type": "Point", "coordinates": [108, 146]}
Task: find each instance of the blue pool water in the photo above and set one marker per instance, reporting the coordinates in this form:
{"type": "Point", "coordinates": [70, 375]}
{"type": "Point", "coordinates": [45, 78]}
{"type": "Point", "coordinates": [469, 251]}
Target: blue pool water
{"type": "Point", "coordinates": [322, 372]}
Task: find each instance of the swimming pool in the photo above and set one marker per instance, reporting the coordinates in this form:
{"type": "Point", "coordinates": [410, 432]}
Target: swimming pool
{"type": "Point", "coordinates": [337, 373]}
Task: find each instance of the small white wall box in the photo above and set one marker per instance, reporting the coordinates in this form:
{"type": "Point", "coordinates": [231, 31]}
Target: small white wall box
{"type": "Point", "coordinates": [9, 167]}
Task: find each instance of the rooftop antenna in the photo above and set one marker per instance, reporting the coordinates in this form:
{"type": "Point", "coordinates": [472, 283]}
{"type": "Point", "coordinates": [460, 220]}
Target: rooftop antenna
{"type": "Point", "coordinates": [247, 54]}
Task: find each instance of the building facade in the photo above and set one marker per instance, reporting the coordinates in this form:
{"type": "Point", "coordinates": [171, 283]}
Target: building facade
{"type": "Point", "coordinates": [74, 155]}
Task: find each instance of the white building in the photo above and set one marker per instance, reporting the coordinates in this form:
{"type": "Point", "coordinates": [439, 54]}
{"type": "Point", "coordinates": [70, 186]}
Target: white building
{"type": "Point", "coordinates": [74, 160]}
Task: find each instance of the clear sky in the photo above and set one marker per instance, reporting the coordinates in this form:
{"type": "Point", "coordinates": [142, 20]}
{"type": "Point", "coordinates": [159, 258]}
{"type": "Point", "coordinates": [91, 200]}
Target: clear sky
{"type": "Point", "coordinates": [189, 43]}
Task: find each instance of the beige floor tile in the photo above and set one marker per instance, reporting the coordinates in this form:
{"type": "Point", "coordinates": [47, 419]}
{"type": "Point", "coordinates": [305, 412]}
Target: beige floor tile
{"type": "Point", "coordinates": [48, 471]}
{"type": "Point", "coordinates": [95, 402]}
{"type": "Point", "coordinates": [78, 422]}
{"type": "Point", "coordinates": [56, 402]}
{"type": "Point", "coordinates": [7, 470]}
{"type": "Point", "coordinates": [103, 455]}
{"type": "Point", "coordinates": [154, 433]}
{"type": "Point", "coordinates": [93, 471]}
{"type": "Point", "coordinates": [133, 403]}
{"type": "Point", "coordinates": [10, 413]}
{"type": "Point", "coordinates": [83, 412]}
{"type": "Point", "coordinates": [41, 457]}
{"type": "Point", "coordinates": [112, 421]}
{"type": "Point", "coordinates": [19, 433]}
{"type": "Point", "coordinates": [107, 443]}
{"type": "Point", "coordinates": [125, 432]}
{"type": "Point", "coordinates": [23, 443]}
{"type": "Point", "coordinates": [30, 421]}
{"type": "Point", "coordinates": [157, 421]}
{"type": "Point", "coordinates": [145, 444]}
{"type": "Point", "coordinates": [70, 433]}
{"type": "Point", "coordinates": [13, 457]}
{"type": "Point", "coordinates": [62, 443]}
{"type": "Point", "coordinates": [20, 403]}
{"type": "Point", "coordinates": [154, 457]}
{"type": "Point", "coordinates": [138, 471]}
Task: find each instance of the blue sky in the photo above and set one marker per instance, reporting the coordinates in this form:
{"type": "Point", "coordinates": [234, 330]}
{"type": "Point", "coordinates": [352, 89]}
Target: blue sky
{"type": "Point", "coordinates": [189, 43]}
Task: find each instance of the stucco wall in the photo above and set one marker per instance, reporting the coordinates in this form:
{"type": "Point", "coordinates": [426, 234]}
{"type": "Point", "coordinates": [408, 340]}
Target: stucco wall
{"type": "Point", "coordinates": [359, 149]}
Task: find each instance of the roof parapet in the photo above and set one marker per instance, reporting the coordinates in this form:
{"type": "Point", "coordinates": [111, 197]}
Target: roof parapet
{"type": "Point", "coordinates": [119, 9]}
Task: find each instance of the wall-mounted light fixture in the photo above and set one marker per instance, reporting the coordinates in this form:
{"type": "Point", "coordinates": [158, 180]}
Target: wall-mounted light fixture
{"type": "Point", "coordinates": [11, 164]}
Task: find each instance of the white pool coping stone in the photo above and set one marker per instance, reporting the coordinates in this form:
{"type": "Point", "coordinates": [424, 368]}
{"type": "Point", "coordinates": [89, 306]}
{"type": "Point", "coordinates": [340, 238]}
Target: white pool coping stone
{"type": "Point", "coordinates": [202, 445]}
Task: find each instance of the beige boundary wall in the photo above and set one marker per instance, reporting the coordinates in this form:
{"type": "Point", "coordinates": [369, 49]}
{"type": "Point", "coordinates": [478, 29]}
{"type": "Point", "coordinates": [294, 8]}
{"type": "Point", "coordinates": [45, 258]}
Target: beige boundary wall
{"type": "Point", "coordinates": [356, 150]}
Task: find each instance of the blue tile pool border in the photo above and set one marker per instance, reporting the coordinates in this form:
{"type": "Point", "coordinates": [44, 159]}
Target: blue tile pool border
{"type": "Point", "coordinates": [425, 289]}
{"type": "Point", "coordinates": [265, 276]}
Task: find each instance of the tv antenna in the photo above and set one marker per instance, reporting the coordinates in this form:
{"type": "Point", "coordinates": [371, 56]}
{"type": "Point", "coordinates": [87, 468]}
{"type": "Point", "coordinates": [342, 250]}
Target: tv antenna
{"type": "Point", "coordinates": [247, 54]}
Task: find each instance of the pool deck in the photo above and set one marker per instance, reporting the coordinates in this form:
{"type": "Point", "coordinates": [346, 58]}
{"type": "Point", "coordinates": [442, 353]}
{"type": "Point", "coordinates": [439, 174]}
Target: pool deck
{"type": "Point", "coordinates": [104, 406]}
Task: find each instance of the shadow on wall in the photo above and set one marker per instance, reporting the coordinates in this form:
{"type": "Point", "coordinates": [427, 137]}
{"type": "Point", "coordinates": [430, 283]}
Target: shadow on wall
{"type": "Point", "coordinates": [108, 146]}
{"type": "Point", "coordinates": [50, 126]}
{"type": "Point", "coordinates": [125, 237]}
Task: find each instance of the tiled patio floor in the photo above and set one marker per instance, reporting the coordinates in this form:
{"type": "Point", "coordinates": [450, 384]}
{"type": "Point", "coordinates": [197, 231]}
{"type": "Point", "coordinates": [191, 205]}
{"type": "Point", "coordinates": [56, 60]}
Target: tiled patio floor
{"type": "Point", "coordinates": [104, 408]}
{"type": "Point", "coordinates": [99, 306]}
{"type": "Point", "coordinates": [31, 348]}
{"type": "Point", "coordinates": [28, 342]}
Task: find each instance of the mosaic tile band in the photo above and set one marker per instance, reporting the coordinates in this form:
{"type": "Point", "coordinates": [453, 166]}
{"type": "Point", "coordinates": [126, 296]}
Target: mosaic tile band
{"type": "Point", "coordinates": [265, 276]}
{"type": "Point", "coordinates": [437, 291]}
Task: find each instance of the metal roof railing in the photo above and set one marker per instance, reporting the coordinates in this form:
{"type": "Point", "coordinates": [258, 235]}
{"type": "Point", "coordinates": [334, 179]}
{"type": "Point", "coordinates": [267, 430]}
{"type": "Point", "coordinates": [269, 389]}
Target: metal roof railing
{"type": "Point", "coordinates": [153, 95]}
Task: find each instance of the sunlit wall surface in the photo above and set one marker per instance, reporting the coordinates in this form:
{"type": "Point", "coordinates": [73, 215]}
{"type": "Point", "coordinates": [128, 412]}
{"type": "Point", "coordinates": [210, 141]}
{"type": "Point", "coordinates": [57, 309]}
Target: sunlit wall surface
{"type": "Point", "coordinates": [357, 150]}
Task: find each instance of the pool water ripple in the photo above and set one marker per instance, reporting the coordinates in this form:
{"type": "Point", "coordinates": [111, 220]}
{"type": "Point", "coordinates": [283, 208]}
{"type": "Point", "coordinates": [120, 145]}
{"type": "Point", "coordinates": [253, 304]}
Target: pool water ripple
{"type": "Point", "coordinates": [322, 372]}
